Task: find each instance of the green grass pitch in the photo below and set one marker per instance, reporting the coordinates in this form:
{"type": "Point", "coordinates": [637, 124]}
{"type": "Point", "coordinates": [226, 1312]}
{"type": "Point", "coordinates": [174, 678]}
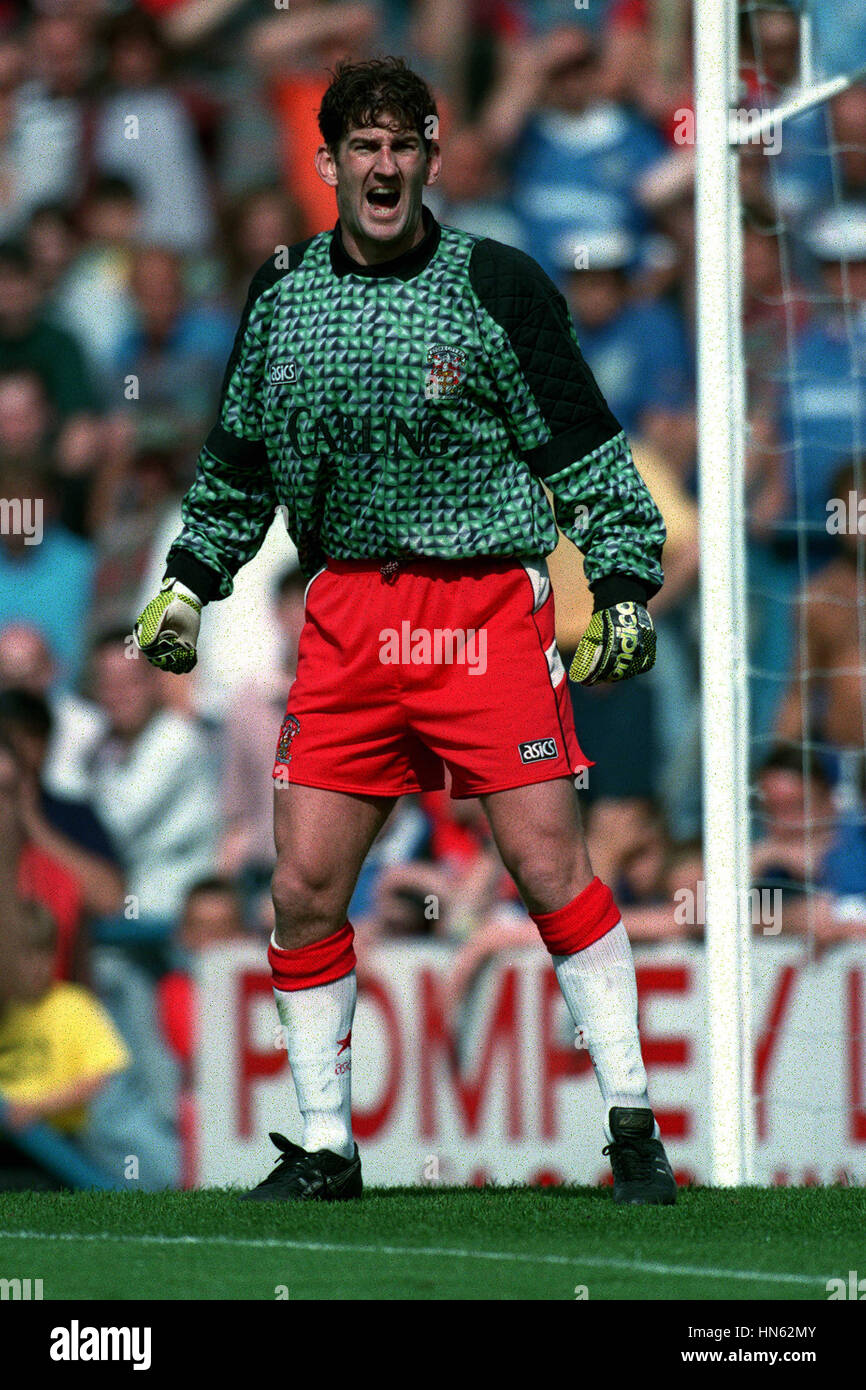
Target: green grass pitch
{"type": "Point", "coordinates": [446, 1243]}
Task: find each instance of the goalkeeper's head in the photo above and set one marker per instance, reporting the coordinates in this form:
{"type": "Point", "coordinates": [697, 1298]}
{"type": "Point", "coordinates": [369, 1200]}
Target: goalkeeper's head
{"type": "Point", "coordinates": [380, 130]}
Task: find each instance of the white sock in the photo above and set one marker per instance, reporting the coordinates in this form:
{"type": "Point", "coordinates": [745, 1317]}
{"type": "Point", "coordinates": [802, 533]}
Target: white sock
{"type": "Point", "coordinates": [318, 1031]}
{"type": "Point", "coordinates": [599, 987]}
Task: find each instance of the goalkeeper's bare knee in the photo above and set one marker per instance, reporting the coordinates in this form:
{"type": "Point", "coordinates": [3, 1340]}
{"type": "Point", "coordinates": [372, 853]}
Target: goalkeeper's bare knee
{"type": "Point", "coordinates": [307, 906]}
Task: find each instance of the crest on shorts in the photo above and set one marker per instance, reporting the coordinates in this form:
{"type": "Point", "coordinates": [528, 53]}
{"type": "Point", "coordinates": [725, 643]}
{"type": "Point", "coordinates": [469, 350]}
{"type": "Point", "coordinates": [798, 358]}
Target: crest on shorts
{"type": "Point", "coordinates": [290, 727]}
{"type": "Point", "coordinates": [445, 372]}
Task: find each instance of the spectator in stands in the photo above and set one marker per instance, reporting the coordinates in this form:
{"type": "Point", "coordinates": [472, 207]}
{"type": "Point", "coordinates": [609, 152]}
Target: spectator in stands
{"type": "Point", "coordinates": [137, 498]}
{"type": "Point", "coordinates": [840, 31]}
{"type": "Point", "coordinates": [144, 134]}
{"type": "Point", "coordinates": [666, 192]}
{"type": "Point", "coordinates": [451, 892]}
{"type": "Point", "coordinates": [28, 341]}
{"type": "Point", "coordinates": [823, 414]}
{"type": "Point", "coordinates": [69, 461]}
{"type": "Point", "coordinates": [775, 306]}
{"type": "Point", "coordinates": [188, 24]}
{"type": "Point", "coordinates": [175, 355]}
{"type": "Point", "coordinates": [293, 52]}
{"type": "Point", "coordinates": [212, 916]}
{"type": "Point", "coordinates": [826, 697]}
{"type": "Point", "coordinates": [638, 351]}
{"type": "Point", "coordinates": [154, 783]}
{"type": "Point", "coordinates": [26, 663]}
{"type": "Point", "coordinates": [812, 851]}
{"type": "Point", "coordinates": [65, 828]}
{"type": "Point", "coordinates": [629, 846]}
{"type": "Point", "coordinates": [48, 138]}
{"type": "Point", "coordinates": [647, 58]}
{"type": "Point", "coordinates": [472, 193]}
{"type": "Point", "coordinates": [41, 561]}
{"type": "Point", "coordinates": [12, 172]}
{"type": "Point", "coordinates": [135, 1116]}
{"type": "Point", "coordinates": [92, 299]}
{"type": "Point", "coordinates": [389, 894]}
{"type": "Point", "coordinates": [575, 157]}
{"type": "Point", "coordinates": [259, 221]}
{"type": "Point", "coordinates": [848, 119]}
{"type": "Point", "coordinates": [58, 1046]}
{"type": "Point", "coordinates": [53, 240]}
{"type": "Point", "coordinates": [770, 72]}
{"type": "Point", "coordinates": [30, 872]}
{"type": "Point", "coordinates": [25, 420]}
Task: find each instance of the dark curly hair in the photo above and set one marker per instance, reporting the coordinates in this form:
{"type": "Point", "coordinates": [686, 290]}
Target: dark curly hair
{"type": "Point", "coordinates": [361, 93]}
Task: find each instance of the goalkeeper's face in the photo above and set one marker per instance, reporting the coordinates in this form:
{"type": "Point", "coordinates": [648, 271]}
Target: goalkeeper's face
{"type": "Point", "coordinates": [379, 173]}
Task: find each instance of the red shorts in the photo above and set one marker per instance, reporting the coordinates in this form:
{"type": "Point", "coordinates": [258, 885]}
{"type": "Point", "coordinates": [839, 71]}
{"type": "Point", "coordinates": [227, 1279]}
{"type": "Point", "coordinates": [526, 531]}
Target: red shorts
{"type": "Point", "coordinates": [442, 663]}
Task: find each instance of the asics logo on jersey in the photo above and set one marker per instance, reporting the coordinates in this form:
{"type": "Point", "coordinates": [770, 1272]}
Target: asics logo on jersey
{"type": "Point", "coordinates": [537, 749]}
{"type": "Point", "coordinates": [282, 373]}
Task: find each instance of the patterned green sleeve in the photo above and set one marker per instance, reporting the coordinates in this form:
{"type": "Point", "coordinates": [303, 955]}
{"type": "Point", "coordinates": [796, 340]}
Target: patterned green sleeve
{"type": "Point", "coordinates": [231, 503]}
{"type": "Point", "coordinates": [570, 438]}
{"type": "Point", "coordinates": [602, 503]}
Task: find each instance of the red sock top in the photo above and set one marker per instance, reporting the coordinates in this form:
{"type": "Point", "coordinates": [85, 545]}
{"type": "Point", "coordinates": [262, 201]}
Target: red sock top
{"type": "Point", "coordinates": [589, 916]}
{"type": "Point", "coordinates": [317, 964]}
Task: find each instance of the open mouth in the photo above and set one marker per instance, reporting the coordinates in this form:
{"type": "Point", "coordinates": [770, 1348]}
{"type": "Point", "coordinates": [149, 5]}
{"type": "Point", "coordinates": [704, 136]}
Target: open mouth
{"type": "Point", "coordinates": [383, 200]}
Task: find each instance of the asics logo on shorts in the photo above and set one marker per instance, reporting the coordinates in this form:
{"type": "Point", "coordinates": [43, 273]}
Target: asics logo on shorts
{"type": "Point", "coordinates": [537, 750]}
{"type": "Point", "coordinates": [282, 373]}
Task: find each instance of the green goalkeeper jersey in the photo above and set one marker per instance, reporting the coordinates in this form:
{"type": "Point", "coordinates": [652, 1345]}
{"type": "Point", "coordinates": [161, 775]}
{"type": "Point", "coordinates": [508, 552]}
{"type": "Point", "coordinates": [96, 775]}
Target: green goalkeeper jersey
{"type": "Point", "coordinates": [412, 408]}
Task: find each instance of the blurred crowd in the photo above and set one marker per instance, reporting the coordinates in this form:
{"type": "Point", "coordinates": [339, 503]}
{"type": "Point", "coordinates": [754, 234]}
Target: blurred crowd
{"type": "Point", "coordinates": [152, 156]}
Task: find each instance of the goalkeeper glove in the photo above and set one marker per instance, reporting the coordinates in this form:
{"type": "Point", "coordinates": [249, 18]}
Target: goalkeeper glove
{"type": "Point", "coordinates": [619, 643]}
{"type": "Point", "coordinates": [167, 629]}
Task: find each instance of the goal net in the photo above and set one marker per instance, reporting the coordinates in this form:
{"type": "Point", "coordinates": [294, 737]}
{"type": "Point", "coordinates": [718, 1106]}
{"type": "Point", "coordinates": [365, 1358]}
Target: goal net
{"type": "Point", "coordinates": [781, 293]}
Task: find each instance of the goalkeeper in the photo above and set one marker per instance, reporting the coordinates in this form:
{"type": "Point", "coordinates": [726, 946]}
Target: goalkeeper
{"type": "Point", "coordinates": [404, 391]}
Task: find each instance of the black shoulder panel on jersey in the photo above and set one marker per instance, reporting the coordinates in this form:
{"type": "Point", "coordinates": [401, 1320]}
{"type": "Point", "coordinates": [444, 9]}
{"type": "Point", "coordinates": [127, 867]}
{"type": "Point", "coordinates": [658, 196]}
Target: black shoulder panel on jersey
{"type": "Point", "coordinates": [266, 276]}
{"type": "Point", "coordinates": [233, 452]}
{"type": "Point", "coordinates": [516, 292]}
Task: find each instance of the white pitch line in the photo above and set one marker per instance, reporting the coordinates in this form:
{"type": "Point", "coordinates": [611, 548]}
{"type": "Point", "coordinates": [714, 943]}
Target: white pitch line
{"type": "Point", "coordinates": [433, 1252]}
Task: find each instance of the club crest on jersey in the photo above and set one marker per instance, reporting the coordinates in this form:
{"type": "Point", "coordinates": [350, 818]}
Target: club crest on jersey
{"type": "Point", "coordinates": [537, 750]}
{"type": "Point", "coordinates": [282, 373]}
{"type": "Point", "coordinates": [445, 372]}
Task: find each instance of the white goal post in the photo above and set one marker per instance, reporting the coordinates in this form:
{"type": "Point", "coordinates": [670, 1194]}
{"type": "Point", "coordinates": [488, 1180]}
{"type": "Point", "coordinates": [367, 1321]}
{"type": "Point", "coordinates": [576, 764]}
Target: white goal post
{"type": "Point", "coordinates": [724, 671]}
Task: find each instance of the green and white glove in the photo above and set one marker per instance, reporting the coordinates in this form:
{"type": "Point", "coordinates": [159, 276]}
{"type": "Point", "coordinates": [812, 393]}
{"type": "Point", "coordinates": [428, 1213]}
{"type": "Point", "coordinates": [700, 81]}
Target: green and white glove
{"type": "Point", "coordinates": [166, 631]}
